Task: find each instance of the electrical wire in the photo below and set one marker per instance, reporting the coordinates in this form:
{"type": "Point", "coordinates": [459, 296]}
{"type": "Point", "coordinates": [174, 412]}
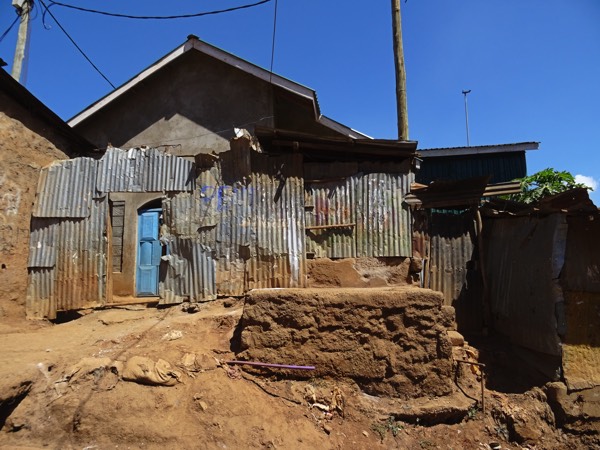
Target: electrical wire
{"type": "Point", "coordinates": [46, 10]}
{"type": "Point", "coordinates": [181, 16]}
{"type": "Point", "coordinates": [9, 28]}
{"type": "Point", "coordinates": [273, 42]}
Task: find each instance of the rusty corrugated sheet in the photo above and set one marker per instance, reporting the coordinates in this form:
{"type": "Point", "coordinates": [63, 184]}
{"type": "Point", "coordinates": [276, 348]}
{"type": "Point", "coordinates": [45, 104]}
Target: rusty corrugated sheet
{"type": "Point", "coordinates": [66, 189]}
{"type": "Point", "coordinates": [144, 170]}
{"type": "Point", "coordinates": [331, 204]}
{"type": "Point", "coordinates": [582, 265]}
{"type": "Point", "coordinates": [452, 266]}
{"type": "Point", "coordinates": [190, 273]}
{"type": "Point", "coordinates": [277, 250]}
{"type": "Point", "coordinates": [76, 280]}
{"type": "Point", "coordinates": [383, 222]}
{"type": "Point", "coordinates": [524, 258]}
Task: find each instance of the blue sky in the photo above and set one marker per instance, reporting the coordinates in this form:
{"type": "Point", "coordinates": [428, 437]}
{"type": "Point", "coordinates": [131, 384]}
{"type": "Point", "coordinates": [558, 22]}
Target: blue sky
{"type": "Point", "coordinates": [533, 65]}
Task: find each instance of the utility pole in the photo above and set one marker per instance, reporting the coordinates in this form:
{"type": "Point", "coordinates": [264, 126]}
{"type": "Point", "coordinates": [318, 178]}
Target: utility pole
{"type": "Point", "coordinates": [465, 93]}
{"type": "Point", "coordinates": [23, 8]}
{"type": "Point", "coordinates": [400, 72]}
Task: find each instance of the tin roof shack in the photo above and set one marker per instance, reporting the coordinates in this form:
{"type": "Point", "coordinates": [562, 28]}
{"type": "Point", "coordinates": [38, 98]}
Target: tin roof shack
{"type": "Point", "coordinates": [358, 227]}
{"type": "Point", "coordinates": [31, 136]}
{"type": "Point", "coordinates": [191, 99]}
{"type": "Point", "coordinates": [145, 223]}
{"type": "Point", "coordinates": [501, 163]}
{"type": "Point", "coordinates": [447, 236]}
{"type": "Point", "coordinates": [542, 266]}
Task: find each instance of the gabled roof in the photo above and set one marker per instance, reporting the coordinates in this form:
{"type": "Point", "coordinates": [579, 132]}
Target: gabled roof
{"type": "Point", "coordinates": [195, 44]}
{"type": "Point", "coordinates": [478, 150]}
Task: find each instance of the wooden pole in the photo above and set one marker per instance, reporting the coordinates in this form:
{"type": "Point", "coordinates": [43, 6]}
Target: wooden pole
{"type": "Point", "coordinates": [400, 72]}
{"type": "Point", "coordinates": [23, 8]}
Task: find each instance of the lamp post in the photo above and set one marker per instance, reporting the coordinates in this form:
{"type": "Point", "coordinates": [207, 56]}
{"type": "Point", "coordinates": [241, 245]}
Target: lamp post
{"type": "Point", "coordinates": [465, 92]}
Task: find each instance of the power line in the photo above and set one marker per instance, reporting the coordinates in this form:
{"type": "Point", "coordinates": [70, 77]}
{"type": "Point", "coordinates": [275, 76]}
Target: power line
{"type": "Point", "coordinates": [75, 44]}
{"type": "Point", "coordinates": [181, 16]}
{"type": "Point", "coordinates": [9, 28]}
{"type": "Point", "coordinates": [273, 42]}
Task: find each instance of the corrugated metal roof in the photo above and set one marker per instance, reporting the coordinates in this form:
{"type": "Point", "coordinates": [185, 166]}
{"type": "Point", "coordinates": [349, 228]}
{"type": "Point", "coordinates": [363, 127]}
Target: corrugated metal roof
{"type": "Point", "coordinates": [144, 170]}
{"type": "Point", "coordinates": [66, 189]}
{"type": "Point", "coordinates": [477, 149]}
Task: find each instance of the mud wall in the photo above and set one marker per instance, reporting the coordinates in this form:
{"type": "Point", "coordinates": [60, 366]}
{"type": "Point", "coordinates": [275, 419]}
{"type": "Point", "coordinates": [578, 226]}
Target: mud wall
{"type": "Point", "coordinates": [359, 272]}
{"type": "Point", "coordinates": [27, 143]}
{"type": "Point", "coordinates": [391, 341]}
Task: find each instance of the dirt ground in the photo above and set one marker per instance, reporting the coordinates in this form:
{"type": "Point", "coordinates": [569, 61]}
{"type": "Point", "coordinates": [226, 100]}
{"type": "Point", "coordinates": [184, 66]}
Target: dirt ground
{"type": "Point", "coordinates": [62, 386]}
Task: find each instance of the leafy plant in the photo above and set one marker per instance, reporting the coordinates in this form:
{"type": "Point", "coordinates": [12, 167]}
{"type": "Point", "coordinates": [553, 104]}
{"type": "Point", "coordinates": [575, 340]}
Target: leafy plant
{"type": "Point", "coordinates": [545, 183]}
{"type": "Point", "coordinates": [389, 425]}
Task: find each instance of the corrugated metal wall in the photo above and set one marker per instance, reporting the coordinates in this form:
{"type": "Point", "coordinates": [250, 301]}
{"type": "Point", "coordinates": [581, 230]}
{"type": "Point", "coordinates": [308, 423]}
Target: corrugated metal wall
{"type": "Point", "coordinates": [524, 258]}
{"type": "Point", "coordinates": [67, 264]}
{"type": "Point", "coordinates": [235, 224]}
{"type": "Point", "coordinates": [278, 239]}
{"type": "Point", "coordinates": [503, 167]}
{"type": "Point", "coordinates": [361, 214]}
{"type": "Point", "coordinates": [453, 267]}
{"type": "Point", "coordinates": [144, 170]}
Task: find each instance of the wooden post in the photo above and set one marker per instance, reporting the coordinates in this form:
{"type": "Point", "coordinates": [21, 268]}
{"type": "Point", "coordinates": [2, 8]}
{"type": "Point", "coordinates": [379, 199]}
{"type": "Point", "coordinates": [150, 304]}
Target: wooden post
{"type": "Point", "coordinates": [400, 72]}
{"type": "Point", "coordinates": [23, 8]}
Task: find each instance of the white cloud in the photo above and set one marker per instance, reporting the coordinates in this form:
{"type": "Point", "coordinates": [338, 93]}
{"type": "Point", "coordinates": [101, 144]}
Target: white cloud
{"type": "Point", "coordinates": [588, 181]}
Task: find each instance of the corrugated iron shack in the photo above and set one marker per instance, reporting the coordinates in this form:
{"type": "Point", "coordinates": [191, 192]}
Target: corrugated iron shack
{"type": "Point", "coordinates": [447, 236]}
{"type": "Point", "coordinates": [543, 267]}
{"type": "Point", "coordinates": [146, 224]}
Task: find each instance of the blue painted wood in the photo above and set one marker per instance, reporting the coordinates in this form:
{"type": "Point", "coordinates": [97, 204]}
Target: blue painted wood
{"type": "Point", "coordinates": [149, 253]}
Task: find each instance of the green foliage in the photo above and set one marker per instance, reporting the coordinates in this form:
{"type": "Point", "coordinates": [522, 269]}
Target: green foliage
{"type": "Point", "coordinates": [545, 183]}
{"type": "Point", "coordinates": [389, 425]}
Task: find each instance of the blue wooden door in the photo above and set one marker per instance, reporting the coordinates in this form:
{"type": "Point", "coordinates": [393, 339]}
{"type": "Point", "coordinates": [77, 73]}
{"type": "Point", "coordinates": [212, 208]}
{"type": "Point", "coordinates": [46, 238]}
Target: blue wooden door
{"type": "Point", "coordinates": [149, 253]}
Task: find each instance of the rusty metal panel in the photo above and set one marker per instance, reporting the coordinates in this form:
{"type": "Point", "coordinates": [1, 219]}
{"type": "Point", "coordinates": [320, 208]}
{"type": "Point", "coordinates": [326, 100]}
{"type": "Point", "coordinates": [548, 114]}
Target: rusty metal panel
{"type": "Point", "coordinates": [66, 189]}
{"type": "Point", "coordinates": [331, 219]}
{"type": "Point", "coordinates": [144, 170]}
{"type": "Point", "coordinates": [582, 265]}
{"type": "Point", "coordinates": [190, 273]}
{"type": "Point", "coordinates": [524, 258]}
{"type": "Point", "coordinates": [40, 302]}
{"type": "Point", "coordinates": [77, 278]}
{"type": "Point", "coordinates": [383, 222]}
{"type": "Point", "coordinates": [452, 265]}
{"type": "Point", "coordinates": [277, 248]}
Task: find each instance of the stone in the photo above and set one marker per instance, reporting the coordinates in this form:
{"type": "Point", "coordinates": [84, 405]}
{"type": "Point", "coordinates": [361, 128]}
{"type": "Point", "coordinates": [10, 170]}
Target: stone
{"type": "Point", "coordinates": [456, 338]}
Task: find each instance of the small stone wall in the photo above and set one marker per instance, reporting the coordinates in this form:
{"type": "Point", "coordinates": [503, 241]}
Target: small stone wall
{"type": "Point", "coordinates": [391, 341]}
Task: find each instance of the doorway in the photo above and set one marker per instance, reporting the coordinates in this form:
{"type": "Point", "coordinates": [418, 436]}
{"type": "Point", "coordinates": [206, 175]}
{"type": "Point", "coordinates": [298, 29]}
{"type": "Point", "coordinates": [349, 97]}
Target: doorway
{"type": "Point", "coordinates": [149, 253]}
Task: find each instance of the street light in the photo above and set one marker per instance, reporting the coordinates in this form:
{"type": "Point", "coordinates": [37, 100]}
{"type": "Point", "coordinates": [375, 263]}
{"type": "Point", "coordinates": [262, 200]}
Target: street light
{"type": "Point", "coordinates": [465, 92]}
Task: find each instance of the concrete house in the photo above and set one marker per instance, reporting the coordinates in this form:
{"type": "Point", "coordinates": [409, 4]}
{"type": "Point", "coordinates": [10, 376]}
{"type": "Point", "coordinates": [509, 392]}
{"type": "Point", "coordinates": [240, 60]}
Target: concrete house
{"type": "Point", "coordinates": [184, 204]}
{"type": "Point", "coordinates": [191, 100]}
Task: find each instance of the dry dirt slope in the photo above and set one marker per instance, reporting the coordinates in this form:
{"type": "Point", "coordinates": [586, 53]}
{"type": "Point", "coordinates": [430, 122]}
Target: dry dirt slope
{"type": "Point", "coordinates": [56, 392]}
